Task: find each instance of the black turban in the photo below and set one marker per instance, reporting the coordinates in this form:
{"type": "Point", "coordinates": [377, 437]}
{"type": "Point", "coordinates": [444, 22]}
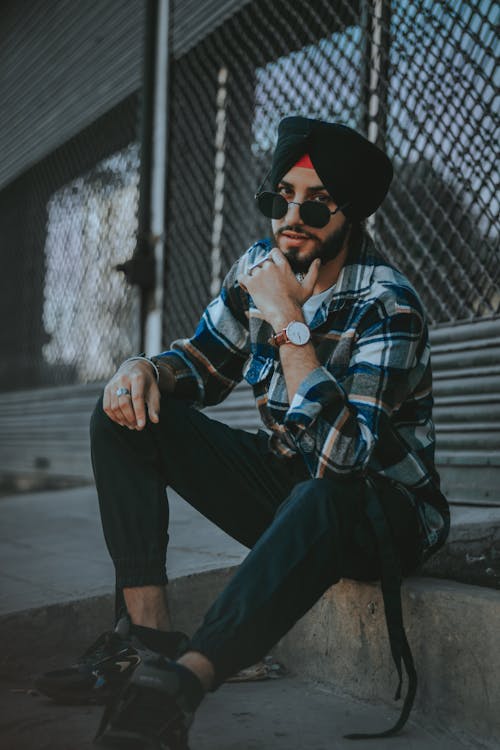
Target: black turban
{"type": "Point", "coordinates": [352, 169]}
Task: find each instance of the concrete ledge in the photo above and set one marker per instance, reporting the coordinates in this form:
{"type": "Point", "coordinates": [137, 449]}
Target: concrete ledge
{"type": "Point", "coordinates": [453, 632]}
{"type": "Point", "coordinates": [472, 551]}
{"type": "Point", "coordinates": [452, 629]}
{"type": "Point", "coordinates": [35, 639]}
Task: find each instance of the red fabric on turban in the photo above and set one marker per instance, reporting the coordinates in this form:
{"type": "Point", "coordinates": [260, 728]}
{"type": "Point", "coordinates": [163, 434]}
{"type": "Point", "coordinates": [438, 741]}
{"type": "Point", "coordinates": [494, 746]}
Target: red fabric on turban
{"type": "Point", "coordinates": [305, 161]}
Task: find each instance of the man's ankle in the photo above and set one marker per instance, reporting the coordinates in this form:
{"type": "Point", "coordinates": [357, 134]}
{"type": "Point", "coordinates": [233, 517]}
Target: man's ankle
{"type": "Point", "coordinates": [168, 643]}
{"type": "Point", "coordinates": [147, 607]}
{"type": "Point", "coordinates": [200, 666]}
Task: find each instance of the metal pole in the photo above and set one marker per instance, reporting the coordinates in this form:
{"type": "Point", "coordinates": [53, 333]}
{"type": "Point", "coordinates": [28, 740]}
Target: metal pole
{"type": "Point", "coordinates": [154, 313]}
{"type": "Point", "coordinates": [377, 77]}
{"type": "Point", "coordinates": [379, 69]}
{"type": "Point", "coordinates": [139, 269]}
{"type": "Point", "coordinates": [365, 22]}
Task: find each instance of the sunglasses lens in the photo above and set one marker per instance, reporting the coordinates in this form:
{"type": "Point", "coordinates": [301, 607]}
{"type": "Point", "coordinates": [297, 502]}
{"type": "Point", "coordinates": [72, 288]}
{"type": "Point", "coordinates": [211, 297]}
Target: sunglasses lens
{"type": "Point", "coordinates": [275, 206]}
{"type": "Point", "coordinates": [272, 205]}
{"type": "Point", "coordinates": [315, 214]}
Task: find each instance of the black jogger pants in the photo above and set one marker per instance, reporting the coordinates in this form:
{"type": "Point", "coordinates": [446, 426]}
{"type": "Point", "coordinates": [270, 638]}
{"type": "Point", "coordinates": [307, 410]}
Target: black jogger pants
{"type": "Point", "coordinates": [304, 534]}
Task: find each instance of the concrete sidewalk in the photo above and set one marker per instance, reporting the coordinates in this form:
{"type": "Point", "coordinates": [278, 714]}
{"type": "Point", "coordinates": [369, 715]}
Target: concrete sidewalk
{"type": "Point", "coordinates": [56, 586]}
{"type": "Point", "coordinates": [52, 549]}
{"type": "Point", "coordinates": [281, 714]}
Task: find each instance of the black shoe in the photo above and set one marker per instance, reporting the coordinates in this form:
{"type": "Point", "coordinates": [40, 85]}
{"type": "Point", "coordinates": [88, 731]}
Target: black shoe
{"type": "Point", "coordinates": [103, 669]}
{"type": "Point", "coordinates": [155, 708]}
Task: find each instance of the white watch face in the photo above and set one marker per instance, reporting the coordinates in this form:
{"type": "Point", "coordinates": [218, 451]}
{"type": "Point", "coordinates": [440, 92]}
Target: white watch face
{"type": "Point", "coordinates": [298, 333]}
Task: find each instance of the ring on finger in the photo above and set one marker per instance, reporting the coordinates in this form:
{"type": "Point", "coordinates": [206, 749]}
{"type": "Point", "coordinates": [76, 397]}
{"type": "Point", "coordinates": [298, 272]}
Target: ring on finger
{"type": "Point", "coordinates": [122, 392]}
{"type": "Point", "coordinates": [258, 264]}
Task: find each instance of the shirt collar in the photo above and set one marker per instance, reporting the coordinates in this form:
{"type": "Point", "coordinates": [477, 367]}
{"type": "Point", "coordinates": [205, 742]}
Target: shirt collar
{"type": "Point", "coordinates": [355, 278]}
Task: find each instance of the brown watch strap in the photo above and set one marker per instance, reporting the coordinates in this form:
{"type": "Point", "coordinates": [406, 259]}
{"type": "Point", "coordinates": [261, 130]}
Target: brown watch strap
{"type": "Point", "coordinates": [280, 338]}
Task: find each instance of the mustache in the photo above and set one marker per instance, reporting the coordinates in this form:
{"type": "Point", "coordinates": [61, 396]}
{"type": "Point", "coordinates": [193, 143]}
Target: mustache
{"type": "Point", "coordinates": [297, 230]}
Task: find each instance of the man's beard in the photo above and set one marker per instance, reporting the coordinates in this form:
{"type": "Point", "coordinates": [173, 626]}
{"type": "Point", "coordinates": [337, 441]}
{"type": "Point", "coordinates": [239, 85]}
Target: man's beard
{"type": "Point", "coordinates": [326, 251]}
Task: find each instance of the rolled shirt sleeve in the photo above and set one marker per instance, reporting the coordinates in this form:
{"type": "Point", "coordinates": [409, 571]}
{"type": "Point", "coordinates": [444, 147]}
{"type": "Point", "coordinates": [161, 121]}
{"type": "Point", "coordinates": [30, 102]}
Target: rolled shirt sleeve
{"type": "Point", "coordinates": [338, 423]}
{"type": "Point", "coordinates": [208, 365]}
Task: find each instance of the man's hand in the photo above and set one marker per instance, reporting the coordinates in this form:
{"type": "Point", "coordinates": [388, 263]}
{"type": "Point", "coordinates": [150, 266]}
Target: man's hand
{"type": "Point", "coordinates": [275, 290]}
{"type": "Point", "coordinates": [130, 410]}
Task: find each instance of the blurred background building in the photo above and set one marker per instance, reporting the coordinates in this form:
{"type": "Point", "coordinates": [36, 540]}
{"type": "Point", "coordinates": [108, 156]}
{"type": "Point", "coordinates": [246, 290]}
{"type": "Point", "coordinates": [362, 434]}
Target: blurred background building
{"type": "Point", "coordinates": [134, 134]}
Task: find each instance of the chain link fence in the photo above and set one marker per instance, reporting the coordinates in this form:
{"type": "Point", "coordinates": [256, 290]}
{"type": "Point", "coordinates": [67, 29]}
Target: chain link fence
{"type": "Point", "coordinates": [416, 77]}
{"type": "Point", "coordinates": [440, 222]}
{"type": "Point", "coordinates": [66, 223]}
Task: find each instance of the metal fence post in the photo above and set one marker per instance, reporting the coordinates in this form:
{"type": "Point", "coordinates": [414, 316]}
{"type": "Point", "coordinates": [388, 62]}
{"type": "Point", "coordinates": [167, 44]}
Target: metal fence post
{"type": "Point", "coordinates": [146, 266]}
{"type": "Point", "coordinates": [379, 68]}
{"type": "Point", "coordinates": [153, 322]}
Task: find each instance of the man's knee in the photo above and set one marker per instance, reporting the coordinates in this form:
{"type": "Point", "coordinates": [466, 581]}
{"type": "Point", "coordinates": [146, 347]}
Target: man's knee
{"type": "Point", "coordinates": [169, 431]}
{"type": "Point", "coordinates": [98, 416]}
{"type": "Point", "coordinates": [324, 497]}
{"type": "Point", "coordinates": [99, 420]}
{"type": "Point", "coordinates": [103, 428]}
{"type": "Point", "coordinates": [328, 489]}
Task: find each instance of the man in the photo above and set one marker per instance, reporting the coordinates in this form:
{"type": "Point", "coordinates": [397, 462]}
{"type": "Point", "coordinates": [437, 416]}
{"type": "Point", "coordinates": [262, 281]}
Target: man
{"type": "Point", "coordinates": [342, 483]}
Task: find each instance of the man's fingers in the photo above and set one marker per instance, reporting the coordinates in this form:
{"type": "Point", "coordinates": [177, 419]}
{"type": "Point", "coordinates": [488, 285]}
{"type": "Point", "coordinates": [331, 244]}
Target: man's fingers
{"type": "Point", "coordinates": [106, 402]}
{"type": "Point", "coordinates": [153, 403]}
{"type": "Point", "coordinates": [121, 409]}
{"type": "Point", "coordinates": [138, 383]}
{"type": "Point", "coordinates": [258, 264]}
{"type": "Point", "coordinates": [311, 277]}
{"type": "Point", "coordinates": [129, 409]}
{"type": "Point", "coordinates": [245, 279]}
{"type": "Point", "coordinates": [278, 257]}
{"type": "Point", "coordinates": [110, 405]}
{"type": "Point", "coordinates": [242, 278]}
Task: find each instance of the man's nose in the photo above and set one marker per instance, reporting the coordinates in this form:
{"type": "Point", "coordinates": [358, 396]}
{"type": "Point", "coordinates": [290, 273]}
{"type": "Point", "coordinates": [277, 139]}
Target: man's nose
{"type": "Point", "coordinates": [293, 214]}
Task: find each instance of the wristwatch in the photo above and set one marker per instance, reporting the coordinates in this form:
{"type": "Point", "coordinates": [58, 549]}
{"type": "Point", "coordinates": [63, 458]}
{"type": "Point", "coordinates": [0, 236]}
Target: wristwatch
{"type": "Point", "coordinates": [295, 333]}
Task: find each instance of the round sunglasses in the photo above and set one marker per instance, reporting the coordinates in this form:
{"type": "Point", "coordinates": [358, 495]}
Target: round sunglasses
{"type": "Point", "coordinates": [312, 213]}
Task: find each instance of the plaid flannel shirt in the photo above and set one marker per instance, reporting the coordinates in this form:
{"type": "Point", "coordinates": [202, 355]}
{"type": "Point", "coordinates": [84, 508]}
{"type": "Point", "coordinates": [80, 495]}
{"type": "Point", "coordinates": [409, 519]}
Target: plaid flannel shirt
{"type": "Point", "coordinates": [366, 409]}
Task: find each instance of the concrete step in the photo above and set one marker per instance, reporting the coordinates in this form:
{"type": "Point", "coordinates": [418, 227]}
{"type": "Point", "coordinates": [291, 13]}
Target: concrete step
{"type": "Point", "coordinates": [341, 642]}
{"type": "Point", "coordinates": [56, 596]}
{"type": "Point", "coordinates": [472, 551]}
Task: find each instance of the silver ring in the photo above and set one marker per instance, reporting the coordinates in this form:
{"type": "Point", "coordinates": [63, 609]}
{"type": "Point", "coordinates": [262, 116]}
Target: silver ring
{"type": "Point", "coordinates": [259, 263]}
{"type": "Point", "coordinates": [122, 392]}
